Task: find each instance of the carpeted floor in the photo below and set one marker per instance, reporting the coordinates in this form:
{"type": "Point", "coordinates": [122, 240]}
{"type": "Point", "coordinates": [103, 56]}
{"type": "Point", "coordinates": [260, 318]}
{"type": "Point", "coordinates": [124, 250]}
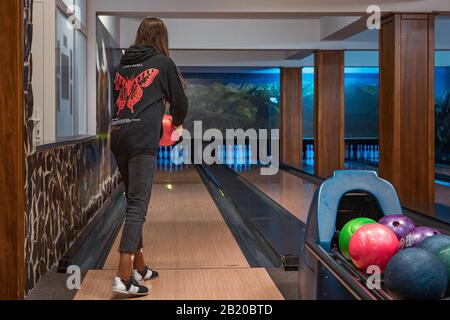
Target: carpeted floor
{"type": "Point", "coordinates": [286, 282]}
{"type": "Point", "coordinates": [52, 286]}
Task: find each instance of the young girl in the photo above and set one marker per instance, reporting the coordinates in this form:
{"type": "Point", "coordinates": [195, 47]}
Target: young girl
{"type": "Point", "coordinates": [144, 81]}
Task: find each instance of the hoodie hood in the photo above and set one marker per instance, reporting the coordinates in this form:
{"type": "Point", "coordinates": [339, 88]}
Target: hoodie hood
{"type": "Point", "coordinates": [137, 54]}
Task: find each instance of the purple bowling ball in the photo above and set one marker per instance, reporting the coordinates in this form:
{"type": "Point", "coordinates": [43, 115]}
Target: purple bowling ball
{"type": "Point", "coordinates": [417, 236]}
{"type": "Point", "coordinates": [399, 223]}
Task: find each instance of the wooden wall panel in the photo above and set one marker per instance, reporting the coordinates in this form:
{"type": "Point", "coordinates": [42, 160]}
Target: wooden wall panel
{"type": "Point", "coordinates": [407, 108]}
{"type": "Point", "coordinates": [11, 151]}
{"type": "Point", "coordinates": [329, 127]}
{"type": "Point", "coordinates": [291, 117]}
{"type": "Point", "coordinates": [389, 117]}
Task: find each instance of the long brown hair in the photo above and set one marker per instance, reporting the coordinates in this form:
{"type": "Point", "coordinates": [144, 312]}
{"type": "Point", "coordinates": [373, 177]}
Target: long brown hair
{"type": "Point", "coordinates": [153, 32]}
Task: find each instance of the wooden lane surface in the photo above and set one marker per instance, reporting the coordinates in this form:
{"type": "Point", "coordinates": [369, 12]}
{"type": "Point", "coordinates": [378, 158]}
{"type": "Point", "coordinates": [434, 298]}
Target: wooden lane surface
{"type": "Point", "coordinates": [291, 192]}
{"type": "Point", "coordinates": [184, 228]}
{"type": "Point", "coordinates": [295, 194]}
{"type": "Point", "coordinates": [189, 243]}
{"type": "Point", "coordinates": [188, 284]}
{"type": "Point", "coordinates": [442, 194]}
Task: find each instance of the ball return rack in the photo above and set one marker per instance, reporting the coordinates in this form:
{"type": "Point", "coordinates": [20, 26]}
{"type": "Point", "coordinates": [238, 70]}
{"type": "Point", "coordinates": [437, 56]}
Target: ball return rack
{"type": "Point", "coordinates": [323, 272]}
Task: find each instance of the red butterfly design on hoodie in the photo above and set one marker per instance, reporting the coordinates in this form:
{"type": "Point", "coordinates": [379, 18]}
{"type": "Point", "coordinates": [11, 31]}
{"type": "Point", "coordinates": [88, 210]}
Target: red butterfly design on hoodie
{"type": "Point", "coordinates": [131, 89]}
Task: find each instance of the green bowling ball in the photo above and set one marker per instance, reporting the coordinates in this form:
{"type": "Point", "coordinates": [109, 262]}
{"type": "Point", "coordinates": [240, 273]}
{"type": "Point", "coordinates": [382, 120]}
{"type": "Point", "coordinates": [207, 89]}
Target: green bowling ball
{"type": "Point", "coordinates": [444, 256]}
{"type": "Point", "coordinates": [347, 232]}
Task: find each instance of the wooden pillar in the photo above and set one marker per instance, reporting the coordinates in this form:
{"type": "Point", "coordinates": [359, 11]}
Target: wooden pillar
{"type": "Point", "coordinates": [328, 113]}
{"type": "Point", "coordinates": [11, 151]}
{"type": "Point", "coordinates": [407, 107]}
{"type": "Point", "coordinates": [291, 117]}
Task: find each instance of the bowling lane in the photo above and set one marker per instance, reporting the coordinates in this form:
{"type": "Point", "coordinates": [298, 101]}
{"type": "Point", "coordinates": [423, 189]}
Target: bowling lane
{"type": "Point", "coordinates": [443, 169]}
{"type": "Point", "coordinates": [188, 284]}
{"type": "Point", "coordinates": [442, 199]}
{"type": "Point", "coordinates": [181, 174]}
{"type": "Point", "coordinates": [184, 228]}
{"type": "Point", "coordinates": [295, 194]}
{"type": "Point", "coordinates": [188, 241]}
{"type": "Point", "coordinates": [291, 192]}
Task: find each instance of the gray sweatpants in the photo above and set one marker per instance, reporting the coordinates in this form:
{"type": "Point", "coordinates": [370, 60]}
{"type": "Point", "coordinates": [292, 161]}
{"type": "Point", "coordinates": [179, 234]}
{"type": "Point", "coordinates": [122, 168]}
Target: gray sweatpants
{"type": "Point", "coordinates": [137, 174]}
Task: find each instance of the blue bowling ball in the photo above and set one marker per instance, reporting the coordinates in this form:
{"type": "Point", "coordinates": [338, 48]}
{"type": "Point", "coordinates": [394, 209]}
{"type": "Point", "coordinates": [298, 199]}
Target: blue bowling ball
{"type": "Point", "coordinates": [435, 243]}
{"type": "Point", "coordinates": [414, 274]}
{"type": "Point", "coordinates": [444, 256]}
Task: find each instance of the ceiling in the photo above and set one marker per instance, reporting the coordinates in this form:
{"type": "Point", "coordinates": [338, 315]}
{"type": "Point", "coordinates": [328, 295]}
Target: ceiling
{"type": "Point", "coordinates": [261, 33]}
{"type": "Point", "coordinates": [270, 8]}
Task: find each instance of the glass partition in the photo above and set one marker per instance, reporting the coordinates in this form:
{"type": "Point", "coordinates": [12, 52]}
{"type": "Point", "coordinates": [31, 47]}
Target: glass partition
{"type": "Point", "coordinates": [361, 117]}
{"type": "Point", "coordinates": [308, 118]}
{"type": "Point", "coordinates": [442, 150]}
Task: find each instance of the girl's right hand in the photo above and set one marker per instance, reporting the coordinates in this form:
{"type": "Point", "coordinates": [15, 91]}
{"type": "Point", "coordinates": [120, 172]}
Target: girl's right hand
{"type": "Point", "coordinates": [176, 134]}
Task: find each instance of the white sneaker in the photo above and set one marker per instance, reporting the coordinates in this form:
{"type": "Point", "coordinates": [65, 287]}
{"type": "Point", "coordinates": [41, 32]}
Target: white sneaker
{"type": "Point", "coordinates": [147, 274]}
{"type": "Point", "coordinates": [131, 287]}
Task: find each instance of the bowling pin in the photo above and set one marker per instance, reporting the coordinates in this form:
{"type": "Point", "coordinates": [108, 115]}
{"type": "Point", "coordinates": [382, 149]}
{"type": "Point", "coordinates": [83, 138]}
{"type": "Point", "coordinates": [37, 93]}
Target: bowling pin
{"type": "Point", "coordinates": [238, 155]}
{"type": "Point", "coordinates": [170, 155]}
{"type": "Point", "coordinates": [230, 155]}
{"type": "Point", "coordinates": [176, 155]}
{"type": "Point", "coordinates": [219, 155]}
{"type": "Point", "coordinates": [241, 155]}
{"type": "Point", "coordinates": [224, 154]}
{"type": "Point", "coordinates": [240, 158]}
{"type": "Point", "coordinates": [186, 156]}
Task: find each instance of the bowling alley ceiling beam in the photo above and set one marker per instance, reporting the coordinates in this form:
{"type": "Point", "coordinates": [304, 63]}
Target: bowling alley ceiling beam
{"type": "Point", "coordinates": [12, 195]}
{"type": "Point", "coordinates": [235, 58]}
{"type": "Point", "coordinates": [300, 54]}
{"type": "Point", "coordinates": [343, 27]}
{"type": "Point", "coordinates": [221, 15]}
{"type": "Point", "coordinates": [340, 28]}
{"type": "Point", "coordinates": [291, 117]}
{"type": "Point", "coordinates": [407, 112]}
{"type": "Point", "coordinates": [234, 34]}
{"type": "Point", "coordinates": [266, 7]}
{"type": "Point", "coordinates": [245, 34]}
{"type": "Point", "coordinates": [328, 112]}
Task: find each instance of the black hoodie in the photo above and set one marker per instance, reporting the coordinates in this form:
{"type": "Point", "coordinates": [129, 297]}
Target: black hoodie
{"type": "Point", "coordinates": [143, 82]}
